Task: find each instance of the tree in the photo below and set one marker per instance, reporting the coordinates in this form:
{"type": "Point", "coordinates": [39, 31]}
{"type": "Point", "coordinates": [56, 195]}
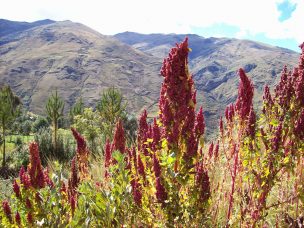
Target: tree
{"type": "Point", "coordinates": [87, 124]}
{"type": "Point", "coordinates": [76, 109]}
{"type": "Point", "coordinates": [26, 127]}
{"type": "Point", "coordinates": [130, 126]}
{"type": "Point", "coordinates": [40, 122]}
{"type": "Point", "coordinates": [54, 109]}
{"type": "Point", "coordinates": [9, 109]}
{"type": "Point", "coordinates": [111, 107]}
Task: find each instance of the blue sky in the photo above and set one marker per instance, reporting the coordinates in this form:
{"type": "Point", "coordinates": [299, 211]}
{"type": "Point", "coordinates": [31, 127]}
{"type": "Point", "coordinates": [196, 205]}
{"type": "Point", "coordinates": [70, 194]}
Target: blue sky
{"type": "Point", "coordinates": [286, 9]}
{"type": "Point", "coordinates": [276, 22]}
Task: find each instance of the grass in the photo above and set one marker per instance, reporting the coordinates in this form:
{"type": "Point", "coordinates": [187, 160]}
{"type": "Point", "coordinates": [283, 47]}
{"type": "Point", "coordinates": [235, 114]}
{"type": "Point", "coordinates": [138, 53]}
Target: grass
{"type": "Point", "coordinates": [24, 138]}
{"type": "Point", "coordinates": [10, 144]}
{"type": "Point", "coordinates": [11, 139]}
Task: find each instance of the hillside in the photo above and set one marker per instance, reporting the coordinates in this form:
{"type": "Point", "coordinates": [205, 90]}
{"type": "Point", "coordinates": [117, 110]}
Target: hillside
{"type": "Point", "coordinates": [214, 63]}
{"type": "Point", "coordinates": [77, 61]}
{"type": "Point", "coordinates": [38, 57]}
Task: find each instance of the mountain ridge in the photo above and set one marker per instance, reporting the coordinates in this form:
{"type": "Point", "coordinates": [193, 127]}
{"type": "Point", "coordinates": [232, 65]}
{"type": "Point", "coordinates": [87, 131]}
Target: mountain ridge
{"type": "Point", "coordinates": [8, 27]}
{"type": "Point", "coordinates": [214, 63]}
{"type": "Point", "coordinates": [71, 53]}
{"type": "Point", "coordinates": [80, 61]}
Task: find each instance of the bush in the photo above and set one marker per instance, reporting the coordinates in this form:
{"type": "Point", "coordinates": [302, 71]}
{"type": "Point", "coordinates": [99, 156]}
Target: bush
{"type": "Point", "coordinates": [130, 126]}
{"type": "Point", "coordinates": [20, 156]}
{"type": "Point", "coordinates": [65, 148]}
{"type": "Point", "coordinates": [18, 141]}
{"type": "Point", "coordinates": [40, 123]}
{"type": "Point", "coordinates": [26, 127]}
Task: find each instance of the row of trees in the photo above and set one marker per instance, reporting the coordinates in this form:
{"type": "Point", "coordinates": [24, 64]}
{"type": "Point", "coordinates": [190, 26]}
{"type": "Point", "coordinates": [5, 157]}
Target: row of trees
{"type": "Point", "coordinates": [88, 121]}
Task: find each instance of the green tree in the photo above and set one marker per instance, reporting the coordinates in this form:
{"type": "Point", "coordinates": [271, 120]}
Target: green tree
{"type": "Point", "coordinates": [9, 109]}
{"type": "Point", "coordinates": [76, 109]}
{"type": "Point", "coordinates": [130, 126]}
{"type": "Point", "coordinates": [40, 122]}
{"type": "Point", "coordinates": [26, 127]}
{"type": "Point", "coordinates": [54, 109]}
{"type": "Point", "coordinates": [111, 107]}
{"type": "Point", "coordinates": [87, 124]}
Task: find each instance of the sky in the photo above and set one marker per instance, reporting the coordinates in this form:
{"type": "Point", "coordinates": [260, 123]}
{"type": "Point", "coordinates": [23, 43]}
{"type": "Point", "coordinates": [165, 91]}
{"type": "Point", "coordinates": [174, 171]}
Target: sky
{"type": "Point", "coordinates": [276, 22]}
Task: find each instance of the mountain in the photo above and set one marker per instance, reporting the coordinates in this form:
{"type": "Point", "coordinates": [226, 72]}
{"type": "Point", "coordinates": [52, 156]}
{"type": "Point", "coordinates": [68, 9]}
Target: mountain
{"type": "Point", "coordinates": [10, 27]}
{"type": "Point", "coordinates": [214, 63]}
{"type": "Point", "coordinates": [77, 61]}
{"type": "Point", "coordinates": [39, 57]}
{"type": "Point", "coordinates": [158, 44]}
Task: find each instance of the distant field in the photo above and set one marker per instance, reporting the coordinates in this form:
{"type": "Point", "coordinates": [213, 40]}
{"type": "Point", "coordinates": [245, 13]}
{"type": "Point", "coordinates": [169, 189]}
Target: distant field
{"type": "Point", "coordinates": [25, 138]}
{"type": "Point", "coordinates": [11, 139]}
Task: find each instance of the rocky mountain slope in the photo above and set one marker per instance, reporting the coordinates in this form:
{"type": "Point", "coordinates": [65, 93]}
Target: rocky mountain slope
{"type": "Point", "coordinates": [214, 63]}
{"type": "Point", "coordinates": [36, 58]}
{"type": "Point", "coordinates": [78, 61]}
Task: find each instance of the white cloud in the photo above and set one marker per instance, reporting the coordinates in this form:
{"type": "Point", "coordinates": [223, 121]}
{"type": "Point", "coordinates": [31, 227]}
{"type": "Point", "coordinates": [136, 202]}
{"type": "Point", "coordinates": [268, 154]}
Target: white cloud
{"type": "Point", "coordinates": [241, 34]}
{"type": "Point", "coordinates": [293, 27]}
{"type": "Point", "coordinates": [146, 16]}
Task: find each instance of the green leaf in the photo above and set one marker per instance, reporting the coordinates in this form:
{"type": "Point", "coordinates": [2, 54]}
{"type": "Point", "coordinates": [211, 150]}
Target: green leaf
{"type": "Point", "coordinates": [267, 172]}
{"type": "Point", "coordinates": [164, 143]}
{"type": "Point", "coordinates": [245, 163]}
{"type": "Point", "coordinates": [274, 122]}
{"type": "Point", "coordinates": [286, 160]}
{"type": "Point", "coordinates": [171, 160]}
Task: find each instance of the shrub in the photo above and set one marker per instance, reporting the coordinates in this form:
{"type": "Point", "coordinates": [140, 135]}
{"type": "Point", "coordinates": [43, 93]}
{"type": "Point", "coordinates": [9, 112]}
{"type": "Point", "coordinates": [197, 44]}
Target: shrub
{"type": "Point", "coordinates": [20, 156]}
{"type": "Point", "coordinates": [65, 147]}
{"type": "Point", "coordinates": [26, 128]}
{"type": "Point", "coordinates": [18, 141]}
{"type": "Point", "coordinates": [261, 156]}
{"type": "Point", "coordinates": [40, 123]}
